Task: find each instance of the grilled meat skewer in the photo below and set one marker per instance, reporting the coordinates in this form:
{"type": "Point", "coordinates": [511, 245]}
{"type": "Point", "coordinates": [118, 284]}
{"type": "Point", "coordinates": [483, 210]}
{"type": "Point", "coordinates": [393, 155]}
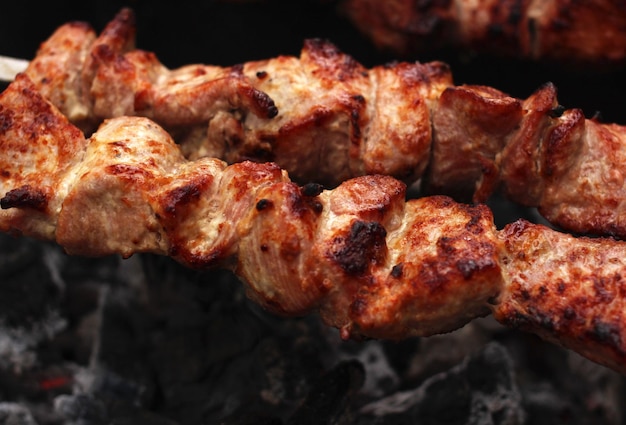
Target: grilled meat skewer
{"type": "Point", "coordinates": [325, 118]}
{"type": "Point", "coordinates": [586, 33]}
{"type": "Point", "coordinates": [371, 264]}
{"type": "Point", "coordinates": [313, 115]}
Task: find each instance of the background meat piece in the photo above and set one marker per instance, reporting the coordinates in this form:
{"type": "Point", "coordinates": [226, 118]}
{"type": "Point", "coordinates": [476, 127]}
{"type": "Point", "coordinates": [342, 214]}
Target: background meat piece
{"type": "Point", "coordinates": [579, 33]}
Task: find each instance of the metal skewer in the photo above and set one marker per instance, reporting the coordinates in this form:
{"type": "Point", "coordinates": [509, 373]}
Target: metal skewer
{"type": "Point", "coordinates": [10, 67]}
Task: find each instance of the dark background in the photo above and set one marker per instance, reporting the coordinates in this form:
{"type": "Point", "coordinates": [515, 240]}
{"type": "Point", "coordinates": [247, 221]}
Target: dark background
{"type": "Point", "coordinates": [226, 33]}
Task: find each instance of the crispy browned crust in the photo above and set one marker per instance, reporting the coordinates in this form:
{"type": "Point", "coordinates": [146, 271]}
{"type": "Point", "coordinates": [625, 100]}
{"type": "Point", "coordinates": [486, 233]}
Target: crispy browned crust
{"type": "Point", "coordinates": [581, 32]}
{"type": "Point", "coordinates": [323, 115]}
{"type": "Point", "coordinates": [325, 118]}
{"type": "Point", "coordinates": [38, 148]}
{"type": "Point", "coordinates": [571, 287]}
{"type": "Point", "coordinates": [371, 264]}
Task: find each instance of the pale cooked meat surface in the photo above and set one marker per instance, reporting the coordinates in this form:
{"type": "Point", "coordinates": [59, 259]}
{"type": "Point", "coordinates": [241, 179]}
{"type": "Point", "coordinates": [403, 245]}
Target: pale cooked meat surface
{"type": "Point", "coordinates": [325, 118]}
{"type": "Point", "coordinates": [371, 264]}
{"type": "Point", "coordinates": [57, 70]}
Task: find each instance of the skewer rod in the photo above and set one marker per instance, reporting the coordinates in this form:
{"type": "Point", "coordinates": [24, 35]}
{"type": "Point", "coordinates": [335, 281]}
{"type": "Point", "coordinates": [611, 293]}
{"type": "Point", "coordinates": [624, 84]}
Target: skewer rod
{"type": "Point", "coordinates": [10, 67]}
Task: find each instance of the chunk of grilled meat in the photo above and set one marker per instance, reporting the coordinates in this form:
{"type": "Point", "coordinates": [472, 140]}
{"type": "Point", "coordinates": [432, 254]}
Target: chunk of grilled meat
{"type": "Point", "coordinates": [571, 168]}
{"type": "Point", "coordinates": [578, 32]}
{"type": "Point", "coordinates": [567, 290]}
{"type": "Point", "coordinates": [325, 118]}
{"type": "Point", "coordinates": [370, 263]}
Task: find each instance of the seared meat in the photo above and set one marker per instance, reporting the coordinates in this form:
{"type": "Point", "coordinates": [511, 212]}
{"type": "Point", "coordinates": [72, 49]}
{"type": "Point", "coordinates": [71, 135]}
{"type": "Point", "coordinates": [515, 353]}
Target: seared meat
{"type": "Point", "coordinates": [325, 118]}
{"type": "Point", "coordinates": [567, 290]}
{"type": "Point", "coordinates": [323, 115]}
{"type": "Point", "coordinates": [541, 155]}
{"type": "Point", "coordinates": [580, 32]}
{"type": "Point", "coordinates": [370, 263]}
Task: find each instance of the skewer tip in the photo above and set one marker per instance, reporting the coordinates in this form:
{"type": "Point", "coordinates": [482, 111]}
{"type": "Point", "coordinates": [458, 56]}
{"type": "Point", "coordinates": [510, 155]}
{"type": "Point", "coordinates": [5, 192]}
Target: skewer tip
{"type": "Point", "coordinates": [10, 67]}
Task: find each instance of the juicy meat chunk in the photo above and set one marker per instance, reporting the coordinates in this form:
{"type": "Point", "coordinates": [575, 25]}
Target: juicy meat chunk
{"type": "Point", "coordinates": [325, 118]}
{"type": "Point", "coordinates": [371, 263]}
{"type": "Point", "coordinates": [557, 284]}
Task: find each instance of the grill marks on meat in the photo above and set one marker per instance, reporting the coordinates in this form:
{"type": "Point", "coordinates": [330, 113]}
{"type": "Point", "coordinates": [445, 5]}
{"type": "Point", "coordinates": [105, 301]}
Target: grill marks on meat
{"type": "Point", "coordinates": [570, 31]}
{"type": "Point", "coordinates": [323, 117]}
{"type": "Point", "coordinates": [371, 264]}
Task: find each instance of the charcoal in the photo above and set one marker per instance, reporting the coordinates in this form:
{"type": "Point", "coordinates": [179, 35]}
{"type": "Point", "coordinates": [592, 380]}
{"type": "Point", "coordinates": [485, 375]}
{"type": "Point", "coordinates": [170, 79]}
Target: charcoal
{"type": "Point", "coordinates": [271, 377]}
{"type": "Point", "coordinates": [329, 401]}
{"type": "Point", "coordinates": [439, 352]}
{"type": "Point", "coordinates": [15, 414]}
{"type": "Point", "coordinates": [30, 314]}
{"type": "Point", "coordinates": [212, 353]}
{"type": "Point", "coordinates": [381, 376]}
{"type": "Point", "coordinates": [85, 409]}
{"type": "Point", "coordinates": [81, 409]}
{"type": "Point", "coordinates": [121, 350]}
{"type": "Point", "coordinates": [127, 414]}
{"type": "Point", "coordinates": [482, 390]}
{"type": "Point", "coordinates": [28, 291]}
{"type": "Point", "coordinates": [251, 419]}
{"type": "Point", "coordinates": [399, 353]}
{"type": "Point", "coordinates": [547, 404]}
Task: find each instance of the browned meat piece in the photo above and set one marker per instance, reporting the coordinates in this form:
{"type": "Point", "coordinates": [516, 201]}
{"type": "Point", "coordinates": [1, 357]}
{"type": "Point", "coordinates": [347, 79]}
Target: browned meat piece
{"type": "Point", "coordinates": [472, 125]}
{"type": "Point", "coordinates": [573, 169]}
{"type": "Point", "coordinates": [370, 263]}
{"type": "Point", "coordinates": [557, 284]}
{"type": "Point", "coordinates": [325, 118]}
{"type": "Point", "coordinates": [38, 148]}
{"type": "Point", "coordinates": [582, 32]}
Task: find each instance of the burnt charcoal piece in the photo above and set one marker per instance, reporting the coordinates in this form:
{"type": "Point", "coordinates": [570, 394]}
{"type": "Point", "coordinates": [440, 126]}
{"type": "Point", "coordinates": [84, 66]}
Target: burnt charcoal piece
{"type": "Point", "coordinates": [88, 410]}
{"type": "Point", "coordinates": [252, 419]}
{"type": "Point", "coordinates": [124, 373]}
{"type": "Point", "coordinates": [81, 408]}
{"type": "Point", "coordinates": [28, 292]}
{"type": "Point", "coordinates": [546, 404]}
{"type": "Point", "coordinates": [15, 414]}
{"type": "Point", "coordinates": [329, 400]}
{"type": "Point", "coordinates": [490, 371]}
{"type": "Point", "coordinates": [482, 390]}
